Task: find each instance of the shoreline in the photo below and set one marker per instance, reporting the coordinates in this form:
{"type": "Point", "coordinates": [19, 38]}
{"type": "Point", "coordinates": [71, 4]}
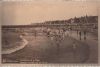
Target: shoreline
{"type": "Point", "coordinates": [23, 43]}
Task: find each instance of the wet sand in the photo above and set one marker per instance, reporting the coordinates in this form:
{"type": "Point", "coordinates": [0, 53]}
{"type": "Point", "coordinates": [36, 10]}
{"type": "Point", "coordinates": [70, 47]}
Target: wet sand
{"type": "Point", "coordinates": [44, 50]}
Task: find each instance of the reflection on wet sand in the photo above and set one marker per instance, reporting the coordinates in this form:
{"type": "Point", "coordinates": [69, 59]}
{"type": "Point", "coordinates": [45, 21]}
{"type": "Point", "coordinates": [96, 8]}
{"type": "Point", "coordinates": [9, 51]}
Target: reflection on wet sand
{"type": "Point", "coordinates": [52, 49]}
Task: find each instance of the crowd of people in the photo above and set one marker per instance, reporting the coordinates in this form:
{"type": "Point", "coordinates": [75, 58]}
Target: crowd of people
{"type": "Point", "coordinates": [58, 35]}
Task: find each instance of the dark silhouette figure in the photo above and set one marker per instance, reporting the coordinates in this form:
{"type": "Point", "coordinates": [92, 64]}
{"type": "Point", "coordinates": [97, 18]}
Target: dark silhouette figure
{"type": "Point", "coordinates": [35, 33]}
{"type": "Point", "coordinates": [80, 35]}
{"type": "Point", "coordinates": [77, 33]}
{"type": "Point", "coordinates": [58, 41]}
{"type": "Point", "coordinates": [84, 35]}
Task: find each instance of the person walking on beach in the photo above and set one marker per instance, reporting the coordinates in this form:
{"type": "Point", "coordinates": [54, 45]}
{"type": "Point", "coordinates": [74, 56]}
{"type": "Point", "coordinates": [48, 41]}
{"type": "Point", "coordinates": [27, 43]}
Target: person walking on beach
{"type": "Point", "coordinates": [80, 35]}
{"type": "Point", "coordinates": [77, 33]}
{"type": "Point", "coordinates": [57, 41]}
{"type": "Point", "coordinates": [74, 47]}
{"type": "Point", "coordinates": [35, 33]}
{"type": "Point", "coordinates": [84, 35]}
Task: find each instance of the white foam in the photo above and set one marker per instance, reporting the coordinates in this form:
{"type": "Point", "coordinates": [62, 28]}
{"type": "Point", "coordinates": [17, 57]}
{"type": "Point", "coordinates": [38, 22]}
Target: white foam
{"type": "Point", "coordinates": [23, 43]}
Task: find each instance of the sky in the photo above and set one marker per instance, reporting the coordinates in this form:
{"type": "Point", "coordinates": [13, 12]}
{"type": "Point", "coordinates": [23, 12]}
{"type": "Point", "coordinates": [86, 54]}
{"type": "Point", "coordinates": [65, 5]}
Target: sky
{"type": "Point", "coordinates": [37, 11]}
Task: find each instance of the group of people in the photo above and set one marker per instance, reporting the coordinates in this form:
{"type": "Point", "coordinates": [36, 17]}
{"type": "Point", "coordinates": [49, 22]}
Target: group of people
{"type": "Point", "coordinates": [56, 35]}
{"type": "Point", "coordinates": [59, 33]}
{"type": "Point", "coordinates": [84, 33]}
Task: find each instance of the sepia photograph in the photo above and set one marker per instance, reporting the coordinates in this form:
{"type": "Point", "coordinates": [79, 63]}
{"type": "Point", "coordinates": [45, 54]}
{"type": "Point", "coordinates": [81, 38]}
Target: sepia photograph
{"type": "Point", "coordinates": [49, 32]}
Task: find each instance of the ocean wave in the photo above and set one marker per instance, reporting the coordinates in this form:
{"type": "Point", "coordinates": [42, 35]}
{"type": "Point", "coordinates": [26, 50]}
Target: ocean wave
{"type": "Point", "coordinates": [23, 43]}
